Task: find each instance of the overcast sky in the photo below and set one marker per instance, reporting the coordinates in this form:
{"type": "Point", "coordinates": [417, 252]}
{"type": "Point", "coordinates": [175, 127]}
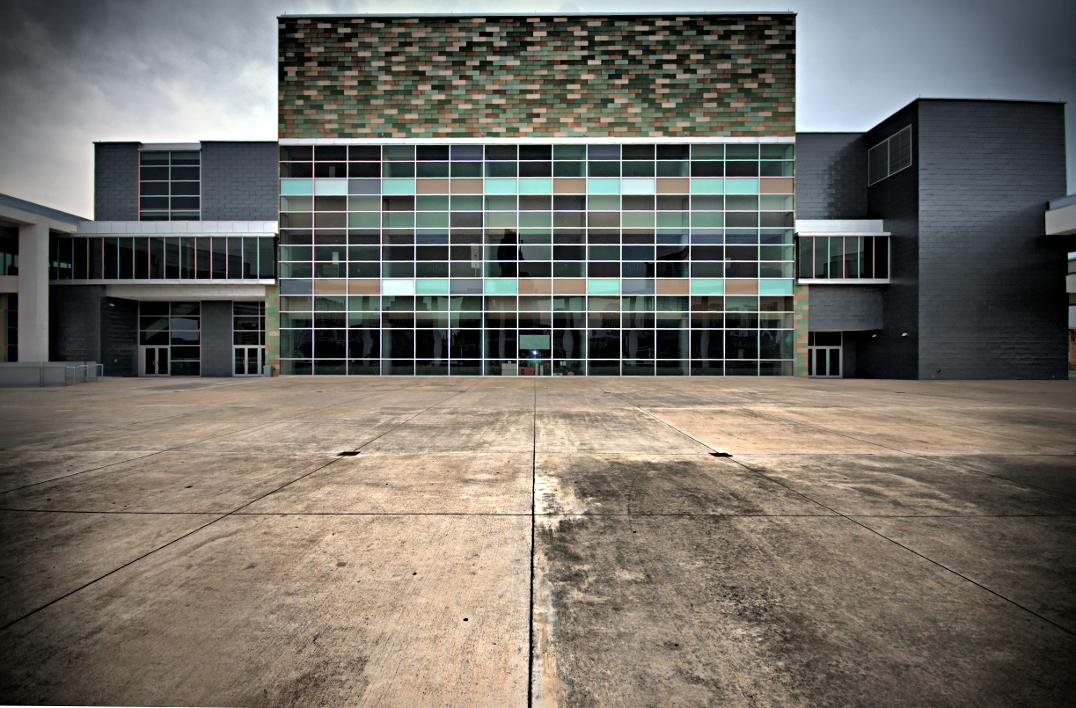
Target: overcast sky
{"type": "Point", "coordinates": [76, 71]}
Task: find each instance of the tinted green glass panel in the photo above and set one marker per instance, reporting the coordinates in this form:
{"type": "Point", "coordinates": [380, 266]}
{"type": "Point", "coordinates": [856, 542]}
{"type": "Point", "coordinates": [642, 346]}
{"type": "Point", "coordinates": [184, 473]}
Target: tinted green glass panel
{"type": "Point", "coordinates": [431, 220]}
{"type": "Point", "coordinates": [709, 185]}
{"type": "Point", "coordinates": [397, 186]}
{"type": "Point", "coordinates": [740, 185]}
{"type": "Point", "coordinates": [707, 286]}
{"type": "Point", "coordinates": [364, 220]}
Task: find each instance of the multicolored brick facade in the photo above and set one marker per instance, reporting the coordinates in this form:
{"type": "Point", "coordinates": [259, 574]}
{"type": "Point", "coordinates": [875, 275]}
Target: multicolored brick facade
{"type": "Point", "coordinates": [800, 356]}
{"type": "Point", "coordinates": [516, 77]}
{"type": "Point", "coordinates": [272, 326]}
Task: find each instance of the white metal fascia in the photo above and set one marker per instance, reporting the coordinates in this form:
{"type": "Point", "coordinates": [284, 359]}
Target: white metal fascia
{"type": "Point", "coordinates": [1061, 221]}
{"type": "Point", "coordinates": [176, 228]}
{"type": "Point", "coordinates": [843, 281]}
{"type": "Point", "coordinates": [188, 291]}
{"type": "Point", "coordinates": [161, 147]}
{"type": "Point", "coordinates": [841, 227]}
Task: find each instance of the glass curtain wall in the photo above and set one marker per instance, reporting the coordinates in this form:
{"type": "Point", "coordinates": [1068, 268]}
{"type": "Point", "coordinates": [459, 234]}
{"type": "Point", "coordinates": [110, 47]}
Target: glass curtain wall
{"type": "Point", "coordinates": [537, 259]}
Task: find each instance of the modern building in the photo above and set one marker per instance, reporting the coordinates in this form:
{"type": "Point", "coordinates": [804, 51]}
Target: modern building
{"type": "Point", "coordinates": [571, 195]}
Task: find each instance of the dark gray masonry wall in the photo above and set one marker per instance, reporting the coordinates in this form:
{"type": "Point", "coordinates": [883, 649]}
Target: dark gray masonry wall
{"type": "Point", "coordinates": [115, 182]}
{"type": "Point", "coordinates": [75, 322]}
{"type": "Point", "coordinates": [216, 338]}
{"type": "Point", "coordinates": [239, 181]}
{"type": "Point", "coordinates": [849, 345]}
{"type": "Point", "coordinates": [839, 308]}
{"type": "Point", "coordinates": [831, 176]}
{"type": "Point", "coordinates": [119, 336]}
{"type": "Point", "coordinates": [895, 200]}
{"type": "Point", "coordinates": [992, 300]}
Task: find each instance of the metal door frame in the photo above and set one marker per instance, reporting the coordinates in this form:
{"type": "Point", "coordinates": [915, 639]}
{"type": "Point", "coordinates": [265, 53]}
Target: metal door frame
{"type": "Point", "coordinates": [830, 349]}
{"type": "Point", "coordinates": [142, 359]}
{"type": "Point", "coordinates": [245, 347]}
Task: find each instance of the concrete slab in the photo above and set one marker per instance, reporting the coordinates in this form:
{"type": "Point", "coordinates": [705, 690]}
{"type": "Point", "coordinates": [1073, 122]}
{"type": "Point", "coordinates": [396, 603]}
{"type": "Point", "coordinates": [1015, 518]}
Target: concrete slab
{"type": "Point", "coordinates": [432, 483]}
{"type": "Point", "coordinates": [310, 435]}
{"type": "Point", "coordinates": [1056, 473]}
{"type": "Point", "coordinates": [1048, 427]}
{"type": "Point", "coordinates": [905, 435]}
{"type": "Point", "coordinates": [904, 485]}
{"type": "Point", "coordinates": [664, 576]}
{"type": "Point", "coordinates": [492, 400]}
{"type": "Point", "coordinates": [643, 485]}
{"type": "Point", "coordinates": [1029, 560]}
{"type": "Point", "coordinates": [460, 430]}
{"type": "Point", "coordinates": [286, 610]}
{"type": "Point", "coordinates": [581, 400]}
{"type": "Point", "coordinates": [22, 468]}
{"type": "Point", "coordinates": [628, 431]}
{"type": "Point", "coordinates": [45, 555]}
{"type": "Point", "coordinates": [169, 483]}
{"type": "Point", "coordinates": [416, 400]}
{"type": "Point", "coordinates": [774, 612]}
{"type": "Point", "coordinates": [744, 431]}
{"type": "Point", "coordinates": [164, 433]}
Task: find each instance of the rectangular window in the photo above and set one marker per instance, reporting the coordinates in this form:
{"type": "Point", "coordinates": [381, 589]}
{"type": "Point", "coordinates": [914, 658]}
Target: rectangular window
{"type": "Point", "coordinates": [169, 185]}
{"type": "Point", "coordinates": [889, 156]}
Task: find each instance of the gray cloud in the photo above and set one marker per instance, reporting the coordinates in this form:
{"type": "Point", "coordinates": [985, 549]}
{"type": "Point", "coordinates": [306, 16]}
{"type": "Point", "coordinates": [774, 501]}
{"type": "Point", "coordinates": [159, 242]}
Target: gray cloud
{"type": "Point", "coordinates": [76, 72]}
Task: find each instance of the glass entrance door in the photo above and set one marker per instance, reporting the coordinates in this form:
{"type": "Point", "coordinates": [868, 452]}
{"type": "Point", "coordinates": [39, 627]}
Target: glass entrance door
{"type": "Point", "coordinates": [154, 361]}
{"type": "Point", "coordinates": [249, 361]}
{"type": "Point", "coordinates": [825, 361]}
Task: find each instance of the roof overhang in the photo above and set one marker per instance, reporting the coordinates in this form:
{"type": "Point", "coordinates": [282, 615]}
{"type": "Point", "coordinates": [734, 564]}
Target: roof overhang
{"type": "Point", "coordinates": [1061, 217]}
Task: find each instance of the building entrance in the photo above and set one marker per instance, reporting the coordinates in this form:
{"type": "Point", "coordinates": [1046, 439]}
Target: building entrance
{"type": "Point", "coordinates": [154, 361]}
{"type": "Point", "coordinates": [825, 362]}
{"type": "Point", "coordinates": [249, 361]}
{"type": "Point", "coordinates": [824, 352]}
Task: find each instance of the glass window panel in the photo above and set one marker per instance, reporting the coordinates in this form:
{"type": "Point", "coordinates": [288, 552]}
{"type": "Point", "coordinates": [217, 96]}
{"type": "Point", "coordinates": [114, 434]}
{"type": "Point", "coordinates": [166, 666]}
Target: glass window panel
{"type": "Point", "coordinates": [836, 257]}
{"type": "Point", "coordinates": [603, 169]}
{"type": "Point", "coordinates": [466, 169]}
{"type": "Point", "coordinates": [535, 169]}
{"type": "Point", "coordinates": [569, 169]}
{"type": "Point", "coordinates": [741, 152]}
{"type": "Point", "coordinates": [638, 169]}
{"type": "Point", "coordinates": [235, 258]}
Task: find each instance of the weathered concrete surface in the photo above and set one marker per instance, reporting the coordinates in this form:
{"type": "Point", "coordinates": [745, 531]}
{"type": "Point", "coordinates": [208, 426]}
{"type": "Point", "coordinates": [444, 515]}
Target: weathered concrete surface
{"type": "Point", "coordinates": [201, 542]}
{"type": "Point", "coordinates": [286, 610]}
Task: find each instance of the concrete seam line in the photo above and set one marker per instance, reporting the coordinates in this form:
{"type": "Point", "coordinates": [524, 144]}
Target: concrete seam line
{"type": "Point", "coordinates": [155, 550]}
{"type": "Point", "coordinates": [998, 476]}
{"type": "Point", "coordinates": [534, 496]}
{"type": "Point", "coordinates": [924, 456]}
{"type": "Point", "coordinates": [75, 474]}
{"type": "Point", "coordinates": [913, 551]}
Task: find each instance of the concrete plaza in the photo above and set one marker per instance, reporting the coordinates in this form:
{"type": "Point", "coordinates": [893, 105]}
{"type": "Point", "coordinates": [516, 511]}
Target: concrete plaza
{"type": "Point", "coordinates": [538, 541]}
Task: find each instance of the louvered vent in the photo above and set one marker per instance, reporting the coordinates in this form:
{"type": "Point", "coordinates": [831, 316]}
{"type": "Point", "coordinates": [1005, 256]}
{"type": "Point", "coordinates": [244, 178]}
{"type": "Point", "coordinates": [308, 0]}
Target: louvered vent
{"type": "Point", "coordinates": [889, 156]}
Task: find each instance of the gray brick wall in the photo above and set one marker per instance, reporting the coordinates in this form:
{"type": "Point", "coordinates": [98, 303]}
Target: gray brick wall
{"type": "Point", "coordinates": [895, 200]}
{"type": "Point", "coordinates": [119, 336]}
{"type": "Point", "coordinates": [239, 181]}
{"type": "Point", "coordinates": [992, 300]}
{"type": "Point", "coordinates": [75, 322]}
{"type": "Point", "coordinates": [115, 182]}
{"type": "Point", "coordinates": [831, 176]}
{"type": "Point", "coordinates": [216, 338]}
{"type": "Point", "coordinates": [845, 307]}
